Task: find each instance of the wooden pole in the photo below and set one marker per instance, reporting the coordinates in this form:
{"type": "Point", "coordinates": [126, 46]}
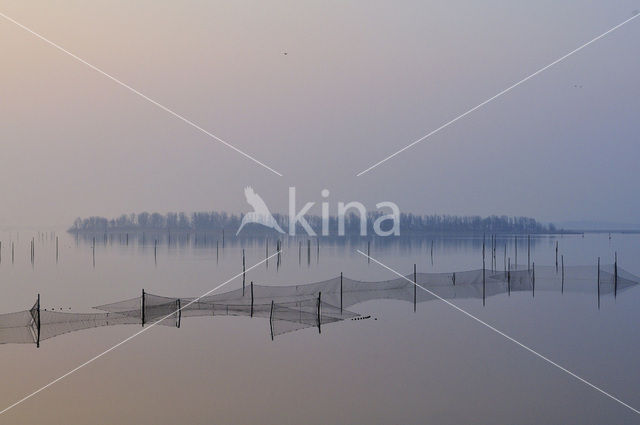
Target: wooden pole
{"type": "Point", "coordinates": [483, 274]}
{"type": "Point", "coordinates": [432, 252]}
{"type": "Point", "coordinates": [615, 276]}
{"type": "Point", "coordinates": [243, 272]}
{"type": "Point", "coordinates": [340, 293]}
{"type": "Point", "coordinates": [505, 258]}
{"type": "Point", "coordinates": [528, 252]}
{"type": "Point", "coordinates": [453, 278]}
{"type": "Point", "coordinates": [415, 287]}
{"type": "Point", "coordinates": [319, 302]}
{"type": "Point", "coordinates": [38, 322]}
{"type": "Point", "coordinates": [562, 259]}
{"type": "Point", "coordinates": [368, 251]}
{"type": "Point", "coordinates": [509, 277]}
{"type": "Point", "coordinates": [598, 283]}
{"type": "Point", "coordinates": [142, 308]}
{"type": "Point", "coordinates": [533, 280]}
{"type": "Point", "coordinates": [271, 320]}
{"type": "Point", "coordinates": [556, 256]}
{"type": "Point", "coordinates": [252, 298]}
{"type": "Point", "coordinates": [178, 313]}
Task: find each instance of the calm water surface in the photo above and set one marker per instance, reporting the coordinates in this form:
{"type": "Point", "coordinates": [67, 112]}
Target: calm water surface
{"type": "Point", "coordinates": [432, 366]}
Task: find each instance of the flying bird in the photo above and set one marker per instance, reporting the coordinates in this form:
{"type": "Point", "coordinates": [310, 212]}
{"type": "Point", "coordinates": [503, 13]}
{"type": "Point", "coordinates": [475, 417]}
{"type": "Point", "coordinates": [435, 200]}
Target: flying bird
{"type": "Point", "coordinates": [260, 213]}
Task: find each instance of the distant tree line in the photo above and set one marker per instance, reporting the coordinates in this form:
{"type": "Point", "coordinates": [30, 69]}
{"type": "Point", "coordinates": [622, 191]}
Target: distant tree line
{"type": "Point", "coordinates": [410, 224]}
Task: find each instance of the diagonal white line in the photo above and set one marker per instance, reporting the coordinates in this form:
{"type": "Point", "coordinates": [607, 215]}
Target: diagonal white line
{"type": "Point", "coordinates": [145, 97]}
{"type": "Point", "coordinates": [91, 360]}
{"type": "Point", "coordinates": [531, 350]}
{"type": "Point", "coordinates": [426, 136]}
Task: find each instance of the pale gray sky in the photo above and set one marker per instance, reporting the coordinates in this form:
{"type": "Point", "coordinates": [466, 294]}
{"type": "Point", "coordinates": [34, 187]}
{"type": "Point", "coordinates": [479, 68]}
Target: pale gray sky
{"type": "Point", "coordinates": [361, 79]}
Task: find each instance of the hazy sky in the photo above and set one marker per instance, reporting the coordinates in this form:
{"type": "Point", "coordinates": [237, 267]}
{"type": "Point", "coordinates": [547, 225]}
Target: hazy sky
{"type": "Point", "coordinates": [361, 79]}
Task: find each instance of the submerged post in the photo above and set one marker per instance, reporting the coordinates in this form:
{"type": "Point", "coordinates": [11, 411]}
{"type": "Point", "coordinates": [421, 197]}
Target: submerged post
{"type": "Point", "coordinates": [415, 287]}
{"type": "Point", "coordinates": [368, 251]}
{"type": "Point", "coordinates": [142, 308]}
{"type": "Point", "coordinates": [453, 278]}
{"type": "Point", "coordinates": [556, 256]}
{"type": "Point", "coordinates": [251, 298]}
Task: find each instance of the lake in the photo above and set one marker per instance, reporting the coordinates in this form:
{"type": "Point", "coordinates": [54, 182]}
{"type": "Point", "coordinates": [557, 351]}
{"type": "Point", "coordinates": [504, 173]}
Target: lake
{"type": "Point", "coordinates": [432, 365]}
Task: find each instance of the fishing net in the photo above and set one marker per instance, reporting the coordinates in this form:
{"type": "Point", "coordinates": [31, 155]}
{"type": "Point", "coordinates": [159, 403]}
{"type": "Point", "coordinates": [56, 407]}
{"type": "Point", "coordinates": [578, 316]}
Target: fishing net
{"type": "Point", "coordinates": [294, 307]}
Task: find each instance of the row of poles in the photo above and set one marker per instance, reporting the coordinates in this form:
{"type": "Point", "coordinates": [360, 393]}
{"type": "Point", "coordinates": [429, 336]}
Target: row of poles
{"type": "Point", "coordinates": [530, 268]}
